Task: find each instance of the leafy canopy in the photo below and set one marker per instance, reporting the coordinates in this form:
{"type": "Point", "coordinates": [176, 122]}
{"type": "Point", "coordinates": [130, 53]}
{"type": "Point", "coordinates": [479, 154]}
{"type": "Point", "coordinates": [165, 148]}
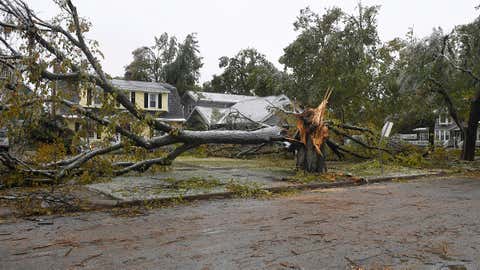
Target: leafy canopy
{"type": "Point", "coordinates": [335, 50]}
{"type": "Point", "coordinates": [248, 72]}
{"type": "Point", "coordinates": [167, 61]}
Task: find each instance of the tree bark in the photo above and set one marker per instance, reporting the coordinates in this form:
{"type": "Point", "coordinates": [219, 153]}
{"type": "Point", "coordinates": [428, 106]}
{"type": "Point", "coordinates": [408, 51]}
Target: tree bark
{"type": "Point", "coordinates": [309, 160]}
{"type": "Point", "coordinates": [469, 143]}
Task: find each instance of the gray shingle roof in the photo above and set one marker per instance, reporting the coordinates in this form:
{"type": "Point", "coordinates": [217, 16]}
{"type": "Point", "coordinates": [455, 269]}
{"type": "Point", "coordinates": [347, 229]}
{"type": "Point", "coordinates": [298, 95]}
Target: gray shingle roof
{"type": "Point", "coordinates": [258, 109]}
{"type": "Point", "coordinates": [141, 86]}
{"type": "Point", "coordinates": [217, 97]}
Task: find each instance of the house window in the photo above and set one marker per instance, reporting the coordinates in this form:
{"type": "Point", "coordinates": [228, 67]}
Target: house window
{"type": "Point", "coordinates": [89, 97]}
{"type": "Point", "coordinates": [160, 101]}
{"type": "Point", "coordinates": [153, 100]}
{"type": "Point", "coordinates": [132, 97]}
{"type": "Point", "coordinates": [444, 119]}
{"type": "Point", "coordinates": [97, 100]}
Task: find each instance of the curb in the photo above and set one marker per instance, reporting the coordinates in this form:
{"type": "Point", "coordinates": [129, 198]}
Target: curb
{"type": "Point", "coordinates": [360, 182]}
{"type": "Point", "coordinates": [106, 204]}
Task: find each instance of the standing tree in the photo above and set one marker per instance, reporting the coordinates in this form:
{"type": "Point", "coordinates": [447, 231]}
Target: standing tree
{"type": "Point", "coordinates": [149, 63]}
{"type": "Point", "coordinates": [335, 50]}
{"type": "Point", "coordinates": [140, 68]}
{"type": "Point", "coordinates": [167, 61]}
{"type": "Point", "coordinates": [448, 67]}
{"type": "Point", "coordinates": [184, 72]}
{"type": "Point", "coordinates": [248, 72]}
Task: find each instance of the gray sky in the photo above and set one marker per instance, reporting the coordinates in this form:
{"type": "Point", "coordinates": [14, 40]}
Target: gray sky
{"type": "Point", "coordinates": [224, 27]}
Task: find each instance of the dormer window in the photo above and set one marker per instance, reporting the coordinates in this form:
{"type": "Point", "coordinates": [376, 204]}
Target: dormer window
{"type": "Point", "coordinates": [132, 97]}
{"type": "Point", "coordinates": [153, 101]}
{"type": "Point", "coordinates": [89, 97]}
{"type": "Point", "coordinates": [444, 119]}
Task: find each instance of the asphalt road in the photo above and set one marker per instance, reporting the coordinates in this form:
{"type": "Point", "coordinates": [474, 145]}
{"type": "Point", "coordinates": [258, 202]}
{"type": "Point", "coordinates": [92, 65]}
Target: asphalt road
{"type": "Point", "coordinates": [421, 224]}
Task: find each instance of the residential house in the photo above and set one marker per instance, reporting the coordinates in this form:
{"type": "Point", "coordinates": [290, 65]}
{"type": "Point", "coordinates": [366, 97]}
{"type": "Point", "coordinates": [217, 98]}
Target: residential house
{"type": "Point", "coordinates": [419, 136]}
{"type": "Point", "coordinates": [248, 113]}
{"type": "Point", "coordinates": [159, 99]}
{"type": "Point", "coordinates": [447, 133]}
{"type": "Point", "coordinates": [192, 99]}
{"type": "Point", "coordinates": [204, 118]}
{"type": "Point", "coordinates": [214, 110]}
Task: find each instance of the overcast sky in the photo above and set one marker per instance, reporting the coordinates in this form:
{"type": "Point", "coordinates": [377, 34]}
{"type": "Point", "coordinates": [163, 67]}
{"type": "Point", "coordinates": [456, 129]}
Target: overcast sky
{"type": "Point", "coordinates": [224, 27]}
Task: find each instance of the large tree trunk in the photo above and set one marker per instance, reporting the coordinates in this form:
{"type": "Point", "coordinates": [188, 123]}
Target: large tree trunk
{"type": "Point", "coordinates": [470, 132]}
{"type": "Point", "coordinates": [309, 160]}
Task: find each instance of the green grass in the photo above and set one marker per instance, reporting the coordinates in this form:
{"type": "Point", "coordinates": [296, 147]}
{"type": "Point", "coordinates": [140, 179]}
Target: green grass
{"type": "Point", "coordinates": [247, 190]}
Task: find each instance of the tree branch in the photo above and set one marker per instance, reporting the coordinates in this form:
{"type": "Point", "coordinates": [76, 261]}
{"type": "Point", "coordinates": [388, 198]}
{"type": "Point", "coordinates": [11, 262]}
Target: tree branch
{"type": "Point", "coordinates": [338, 132]}
{"type": "Point", "coordinates": [448, 101]}
{"type": "Point", "coordinates": [146, 164]}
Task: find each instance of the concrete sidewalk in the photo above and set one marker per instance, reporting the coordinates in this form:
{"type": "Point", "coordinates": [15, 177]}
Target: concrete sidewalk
{"type": "Point", "coordinates": [192, 182]}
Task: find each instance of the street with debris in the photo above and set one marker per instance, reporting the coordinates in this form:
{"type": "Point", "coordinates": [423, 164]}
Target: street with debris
{"type": "Point", "coordinates": [420, 224]}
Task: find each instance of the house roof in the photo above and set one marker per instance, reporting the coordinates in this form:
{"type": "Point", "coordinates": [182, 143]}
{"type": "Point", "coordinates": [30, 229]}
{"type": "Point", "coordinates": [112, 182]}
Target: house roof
{"type": "Point", "coordinates": [210, 115]}
{"type": "Point", "coordinates": [258, 109]}
{"type": "Point", "coordinates": [141, 86]}
{"type": "Point", "coordinates": [421, 129]}
{"type": "Point", "coordinates": [217, 97]}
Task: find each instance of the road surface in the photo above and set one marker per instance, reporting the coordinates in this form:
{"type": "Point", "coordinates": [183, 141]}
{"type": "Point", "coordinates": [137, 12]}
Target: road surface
{"type": "Point", "coordinates": [422, 224]}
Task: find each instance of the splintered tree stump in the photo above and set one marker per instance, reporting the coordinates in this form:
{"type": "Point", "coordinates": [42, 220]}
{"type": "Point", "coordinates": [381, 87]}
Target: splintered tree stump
{"type": "Point", "coordinates": [309, 160]}
{"type": "Point", "coordinates": [312, 134]}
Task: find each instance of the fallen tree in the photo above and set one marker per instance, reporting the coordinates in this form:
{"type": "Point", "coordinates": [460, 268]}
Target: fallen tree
{"type": "Point", "coordinates": [39, 54]}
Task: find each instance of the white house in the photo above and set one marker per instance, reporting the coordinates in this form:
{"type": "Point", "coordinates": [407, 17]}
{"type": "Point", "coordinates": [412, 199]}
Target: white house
{"type": "Point", "coordinates": [447, 133]}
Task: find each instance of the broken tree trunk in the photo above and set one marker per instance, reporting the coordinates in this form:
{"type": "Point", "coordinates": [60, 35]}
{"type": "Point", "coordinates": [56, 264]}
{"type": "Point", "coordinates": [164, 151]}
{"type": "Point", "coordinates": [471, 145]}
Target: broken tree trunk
{"type": "Point", "coordinates": [309, 160]}
{"type": "Point", "coordinates": [313, 133]}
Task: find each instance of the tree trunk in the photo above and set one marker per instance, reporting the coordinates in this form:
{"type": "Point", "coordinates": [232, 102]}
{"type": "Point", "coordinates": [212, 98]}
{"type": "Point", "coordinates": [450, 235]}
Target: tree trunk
{"type": "Point", "coordinates": [470, 132]}
{"type": "Point", "coordinates": [309, 160]}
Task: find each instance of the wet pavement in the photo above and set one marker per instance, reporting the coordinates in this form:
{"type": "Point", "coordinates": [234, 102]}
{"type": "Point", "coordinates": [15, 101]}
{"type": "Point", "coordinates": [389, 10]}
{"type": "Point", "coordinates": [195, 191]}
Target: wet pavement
{"type": "Point", "coordinates": [215, 178]}
{"type": "Point", "coordinates": [422, 224]}
{"type": "Point", "coordinates": [158, 185]}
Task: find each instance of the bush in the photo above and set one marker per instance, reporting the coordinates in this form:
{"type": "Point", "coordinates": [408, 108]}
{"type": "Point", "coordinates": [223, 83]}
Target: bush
{"type": "Point", "coordinates": [439, 154]}
{"type": "Point", "coordinates": [413, 160]}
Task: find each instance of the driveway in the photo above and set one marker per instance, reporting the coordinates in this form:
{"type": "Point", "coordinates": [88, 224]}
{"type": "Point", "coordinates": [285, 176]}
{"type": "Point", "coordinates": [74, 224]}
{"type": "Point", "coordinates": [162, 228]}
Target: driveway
{"type": "Point", "coordinates": [422, 224]}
